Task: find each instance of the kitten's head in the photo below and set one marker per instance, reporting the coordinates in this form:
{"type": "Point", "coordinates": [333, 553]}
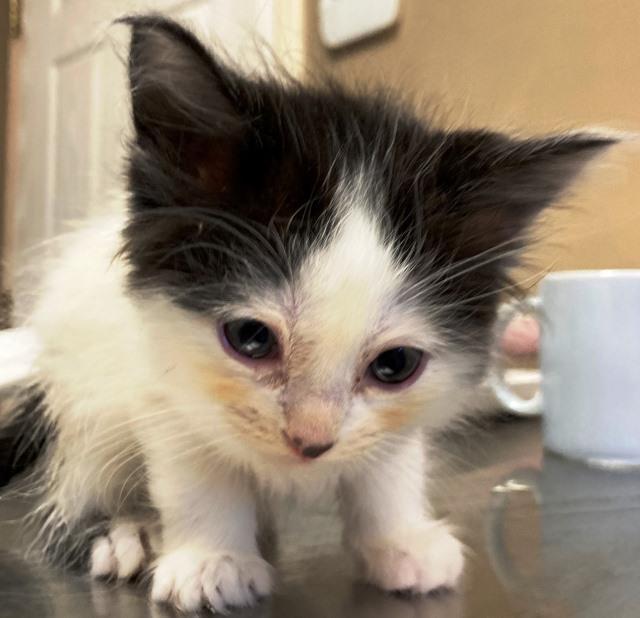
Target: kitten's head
{"type": "Point", "coordinates": [324, 267]}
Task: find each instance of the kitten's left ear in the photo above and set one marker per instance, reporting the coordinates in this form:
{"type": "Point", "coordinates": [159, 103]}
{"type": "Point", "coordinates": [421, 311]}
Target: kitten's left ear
{"type": "Point", "coordinates": [493, 187]}
{"type": "Point", "coordinates": [183, 103]}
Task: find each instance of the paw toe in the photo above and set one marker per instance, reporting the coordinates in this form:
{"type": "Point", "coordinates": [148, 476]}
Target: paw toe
{"type": "Point", "coordinates": [103, 560]}
{"type": "Point", "coordinates": [129, 550]}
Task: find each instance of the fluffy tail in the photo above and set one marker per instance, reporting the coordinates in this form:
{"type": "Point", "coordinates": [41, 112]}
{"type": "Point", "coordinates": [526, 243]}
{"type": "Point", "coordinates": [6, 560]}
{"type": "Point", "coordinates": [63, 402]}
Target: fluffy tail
{"type": "Point", "coordinates": [24, 433]}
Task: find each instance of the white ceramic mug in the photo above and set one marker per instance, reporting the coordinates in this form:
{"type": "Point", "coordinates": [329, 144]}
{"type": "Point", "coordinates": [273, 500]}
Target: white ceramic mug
{"type": "Point", "coordinates": [589, 363]}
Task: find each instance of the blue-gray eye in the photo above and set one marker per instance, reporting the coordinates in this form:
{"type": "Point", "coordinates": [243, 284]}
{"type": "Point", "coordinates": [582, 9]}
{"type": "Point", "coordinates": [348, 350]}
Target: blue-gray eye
{"type": "Point", "coordinates": [251, 338]}
{"type": "Point", "coordinates": [395, 365]}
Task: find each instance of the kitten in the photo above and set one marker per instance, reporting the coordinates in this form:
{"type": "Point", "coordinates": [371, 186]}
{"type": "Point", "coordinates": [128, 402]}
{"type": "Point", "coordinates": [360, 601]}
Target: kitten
{"type": "Point", "coordinates": [305, 281]}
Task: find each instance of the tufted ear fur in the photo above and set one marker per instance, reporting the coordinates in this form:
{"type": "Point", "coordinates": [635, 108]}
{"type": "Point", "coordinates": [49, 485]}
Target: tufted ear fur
{"type": "Point", "coordinates": [492, 187]}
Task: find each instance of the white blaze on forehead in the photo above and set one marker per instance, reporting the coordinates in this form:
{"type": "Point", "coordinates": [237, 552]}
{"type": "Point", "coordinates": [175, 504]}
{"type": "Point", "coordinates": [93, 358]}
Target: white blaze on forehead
{"type": "Point", "coordinates": [346, 288]}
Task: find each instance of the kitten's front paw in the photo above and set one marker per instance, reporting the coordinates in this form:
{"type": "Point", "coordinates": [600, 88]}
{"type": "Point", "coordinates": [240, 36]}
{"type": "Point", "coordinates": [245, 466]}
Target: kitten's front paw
{"type": "Point", "coordinates": [120, 554]}
{"type": "Point", "coordinates": [417, 560]}
{"type": "Point", "coordinates": [191, 579]}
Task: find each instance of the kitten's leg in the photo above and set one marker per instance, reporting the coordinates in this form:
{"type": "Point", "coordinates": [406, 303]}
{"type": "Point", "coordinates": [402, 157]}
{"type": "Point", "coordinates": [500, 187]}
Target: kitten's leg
{"type": "Point", "coordinates": [399, 545]}
{"type": "Point", "coordinates": [88, 480]}
{"type": "Point", "coordinates": [210, 555]}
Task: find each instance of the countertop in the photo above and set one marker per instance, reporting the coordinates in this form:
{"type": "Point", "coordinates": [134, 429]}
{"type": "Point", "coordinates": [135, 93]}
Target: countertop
{"type": "Point", "coordinates": [546, 537]}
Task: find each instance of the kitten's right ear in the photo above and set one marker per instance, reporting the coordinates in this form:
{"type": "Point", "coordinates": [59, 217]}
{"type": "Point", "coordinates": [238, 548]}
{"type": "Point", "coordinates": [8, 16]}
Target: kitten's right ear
{"type": "Point", "coordinates": [181, 96]}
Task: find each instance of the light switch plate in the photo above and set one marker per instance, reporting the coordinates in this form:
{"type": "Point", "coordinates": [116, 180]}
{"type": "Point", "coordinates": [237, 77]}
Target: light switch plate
{"type": "Point", "coordinates": [344, 21]}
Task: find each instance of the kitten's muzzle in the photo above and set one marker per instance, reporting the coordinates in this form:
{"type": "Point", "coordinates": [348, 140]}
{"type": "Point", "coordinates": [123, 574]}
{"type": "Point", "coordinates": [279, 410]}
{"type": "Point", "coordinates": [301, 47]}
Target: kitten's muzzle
{"type": "Point", "coordinates": [313, 418]}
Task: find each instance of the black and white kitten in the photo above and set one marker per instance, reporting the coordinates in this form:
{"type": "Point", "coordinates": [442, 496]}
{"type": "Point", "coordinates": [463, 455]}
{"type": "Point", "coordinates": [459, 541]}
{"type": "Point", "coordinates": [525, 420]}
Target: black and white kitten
{"type": "Point", "coordinates": [305, 280]}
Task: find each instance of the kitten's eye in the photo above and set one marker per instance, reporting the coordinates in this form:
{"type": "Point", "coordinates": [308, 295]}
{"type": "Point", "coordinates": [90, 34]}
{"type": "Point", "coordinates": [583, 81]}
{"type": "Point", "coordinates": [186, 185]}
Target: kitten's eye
{"type": "Point", "coordinates": [396, 365]}
{"type": "Point", "coordinates": [250, 338]}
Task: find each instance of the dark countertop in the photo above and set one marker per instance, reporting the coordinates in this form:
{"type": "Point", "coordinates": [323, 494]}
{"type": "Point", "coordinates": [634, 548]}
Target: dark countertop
{"type": "Point", "coordinates": [546, 537]}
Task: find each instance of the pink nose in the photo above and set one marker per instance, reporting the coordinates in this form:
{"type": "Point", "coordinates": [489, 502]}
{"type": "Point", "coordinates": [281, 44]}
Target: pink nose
{"type": "Point", "coordinates": [309, 451]}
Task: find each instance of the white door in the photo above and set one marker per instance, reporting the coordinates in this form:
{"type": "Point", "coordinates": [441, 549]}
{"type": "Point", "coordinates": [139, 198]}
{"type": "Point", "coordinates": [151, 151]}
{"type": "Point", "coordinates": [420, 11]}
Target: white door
{"type": "Point", "coordinates": [73, 112]}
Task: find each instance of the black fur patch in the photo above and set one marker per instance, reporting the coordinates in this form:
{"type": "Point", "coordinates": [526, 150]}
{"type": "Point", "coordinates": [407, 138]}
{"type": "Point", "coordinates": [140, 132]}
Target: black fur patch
{"type": "Point", "coordinates": [233, 179]}
{"type": "Point", "coordinates": [26, 436]}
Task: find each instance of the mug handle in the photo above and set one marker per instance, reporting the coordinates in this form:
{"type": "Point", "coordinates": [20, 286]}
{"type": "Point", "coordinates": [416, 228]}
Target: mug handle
{"type": "Point", "coordinates": [496, 380]}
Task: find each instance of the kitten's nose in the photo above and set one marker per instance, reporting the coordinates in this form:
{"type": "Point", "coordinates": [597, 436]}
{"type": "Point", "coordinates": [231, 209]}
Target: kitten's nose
{"type": "Point", "coordinates": [315, 450]}
{"type": "Point", "coordinates": [310, 451]}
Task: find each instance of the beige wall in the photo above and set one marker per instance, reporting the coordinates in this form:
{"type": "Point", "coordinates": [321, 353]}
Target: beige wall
{"type": "Point", "coordinates": [528, 66]}
{"type": "Point", "coordinates": [5, 301]}
{"type": "Point", "coordinates": [10, 143]}
{"type": "Point", "coordinates": [4, 52]}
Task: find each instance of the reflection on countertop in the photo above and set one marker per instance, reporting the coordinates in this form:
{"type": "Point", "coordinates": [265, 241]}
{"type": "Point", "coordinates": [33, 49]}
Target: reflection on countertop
{"type": "Point", "coordinates": [546, 537]}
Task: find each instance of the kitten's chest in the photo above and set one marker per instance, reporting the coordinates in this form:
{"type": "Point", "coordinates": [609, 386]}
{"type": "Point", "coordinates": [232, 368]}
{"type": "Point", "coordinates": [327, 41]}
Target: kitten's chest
{"type": "Point", "coordinates": [304, 483]}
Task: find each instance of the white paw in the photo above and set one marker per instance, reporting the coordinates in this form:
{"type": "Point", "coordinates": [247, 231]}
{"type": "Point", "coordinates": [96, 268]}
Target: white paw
{"type": "Point", "coordinates": [191, 579]}
{"type": "Point", "coordinates": [121, 554]}
{"type": "Point", "coordinates": [419, 559]}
